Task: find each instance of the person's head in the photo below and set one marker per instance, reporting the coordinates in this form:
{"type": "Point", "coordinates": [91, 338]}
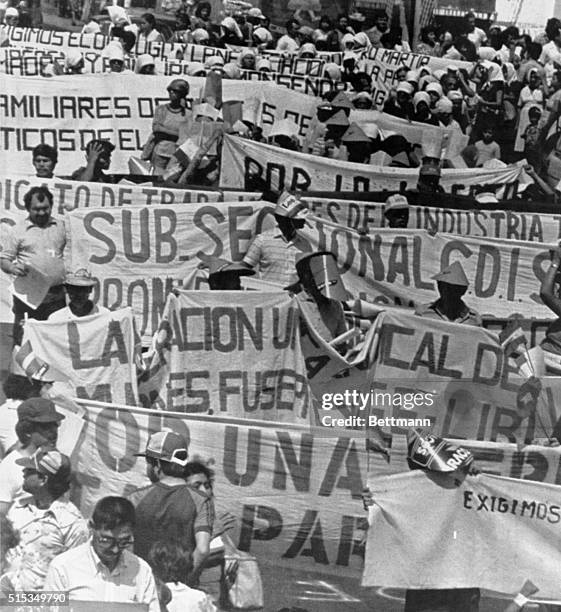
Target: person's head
{"type": "Point", "coordinates": [104, 160]}
{"type": "Point", "coordinates": [401, 74]}
{"type": "Point", "coordinates": [11, 16]}
{"type": "Point", "coordinates": [288, 214]}
{"type": "Point", "coordinates": [226, 276]}
{"type": "Point", "coordinates": [404, 93]}
{"type": "Point", "coordinates": [443, 110]}
{"type": "Point", "coordinates": [38, 202]}
{"type": "Point", "coordinates": [38, 423]}
{"type": "Point", "coordinates": [166, 454]}
{"type": "Point", "coordinates": [325, 23]}
{"type": "Point", "coordinates": [145, 64]}
{"type": "Point", "coordinates": [45, 159]}
{"type": "Point", "coordinates": [469, 21]}
{"type": "Point", "coordinates": [112, 529]}
{"type": "Point", "coordinates": [342, 22]}
{"type": "Point", "coordinates": [292, 27]}
{"type": "Point", "coordinates": [363, 101]}
{"type": "Point", "coordinates": [170, 562]}
{"type": "Point", "coordinates": [178, 90]}
{"type": "Point", "coordinates": [247, 60]}
{"type": "Point", "coordinates": [48, 471]}
{"type": "Point", "coordinates": [396, 211]}
{"type": "Point", "coordinates": [255, 16]}
{"type": "Point", "coordinates": [203, 11]}
{"type": "Point", "coordinates": [429, 177]}
{"type": "Point", "coordinates": [78, 286]}
{"type": "Point", "coordinates": [533, 51]}
{"type": "Point", "coordinates": [19, 387]}
{"type": "Point", "coordinates": [147, 23]}
{"type": "Point", "coordinates": [534, 79]}
{"type": "Point", "coordinates": [452, 283]}
{"type": "Point", "coordinates": [319, 276]}
{"type": "Point", "coordinates": [421, 102]}
{"type": "Point", "coordinates": [534, 115]}
{"type": "Point", "coordinates": [381, 22]}
{"type": "Point", "coordinates": [128, 40]}
{"type": "Point", "coordinates": [428, 35]}
{"type": "Point", "coordinates": [487, 134]}
{"type": "Point", "coordinates": [199, 476]}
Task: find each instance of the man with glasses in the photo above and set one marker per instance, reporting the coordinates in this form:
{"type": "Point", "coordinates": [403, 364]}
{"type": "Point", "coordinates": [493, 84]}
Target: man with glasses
{"type": "Point", "coordinates": [104, 568]}
{"type": "Point", "coordinates": [169, 510]}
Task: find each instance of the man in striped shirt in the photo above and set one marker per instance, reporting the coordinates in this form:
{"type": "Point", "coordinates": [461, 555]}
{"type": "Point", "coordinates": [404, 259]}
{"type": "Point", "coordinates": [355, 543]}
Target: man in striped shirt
{"type": "Point", "coordinates": [273, 253]}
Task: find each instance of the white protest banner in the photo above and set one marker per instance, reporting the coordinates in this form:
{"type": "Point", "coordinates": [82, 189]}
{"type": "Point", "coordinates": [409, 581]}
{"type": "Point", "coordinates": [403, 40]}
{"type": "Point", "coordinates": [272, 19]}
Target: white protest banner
{"type": "Point", "coordinates": [68, 111]}
{"type": "Point", "coordinates": [279, 168]}
{"type": "Point", "coordinates": [489, 532]}
{"type": "Point", "coordinates": [296, 495]}
{"type": "Point", "coordinates": [68, 195]}
{"type": "Point", "coordinates": [364, 216]}
{"type": "Point", "coordinates": [395, 267]}
{"type": "Point", "coordinates": [94, 354]}
{"type": "Point", "coordinates": [235, 354]}
{"type": "Point", "coordinates": [382, 65]}
{"type": "Point", "coordinates": [50, 40]}
{"type": "Point", "coordinates": [137, 253]}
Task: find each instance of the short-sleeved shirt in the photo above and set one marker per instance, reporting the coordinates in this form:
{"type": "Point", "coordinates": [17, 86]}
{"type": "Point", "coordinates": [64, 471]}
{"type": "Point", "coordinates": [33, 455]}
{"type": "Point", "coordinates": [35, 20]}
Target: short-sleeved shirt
{"type": "Point", "coordinates": [468, 316]}
{"type": "Point", "coordinates": [487, 151]}
{"type": "Point", "coordinates": [28, 242]}
{"type": "Point", "coordinates": [174, 513]}
{"type": "Point", "coordinates": [44, 534]}
{"type": "Point", "coordinates": [275, 257]}
{"type": "Point", "coordinates": [81, 573]}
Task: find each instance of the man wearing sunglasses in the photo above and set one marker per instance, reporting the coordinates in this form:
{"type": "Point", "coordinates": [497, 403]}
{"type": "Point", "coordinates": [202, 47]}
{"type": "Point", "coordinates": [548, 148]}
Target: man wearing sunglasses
{"type": "Point", "coordinates": [104, 568]}
{"type": "Point", "coordinates": [169, 510]}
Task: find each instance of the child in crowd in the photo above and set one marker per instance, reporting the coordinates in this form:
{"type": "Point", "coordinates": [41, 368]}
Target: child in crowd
{"type": "Point", "coordinates": [171, 565]}
{"type": "Point", "coordinates": [531, 138]}
{"type": "Point", "coordinates": [487, 147]}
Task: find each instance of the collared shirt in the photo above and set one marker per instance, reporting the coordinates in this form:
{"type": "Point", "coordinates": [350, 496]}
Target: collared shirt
{"type": "Point", "coordinates": [44, 534]}
{"type": "Point", "coordinates": [81, 573]}
{"type": "Point", "coordinates": [28, 242]}
{"type": "Point", "coordinates": [275, 257]}
{"type": "Point", "coordinates": [468, 316]}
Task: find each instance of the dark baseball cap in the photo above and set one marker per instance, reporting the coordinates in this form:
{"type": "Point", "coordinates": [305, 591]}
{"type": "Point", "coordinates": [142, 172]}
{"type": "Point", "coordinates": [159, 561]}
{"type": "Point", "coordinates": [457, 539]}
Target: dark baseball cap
{"type": "Point", "coordinates": [39, 410]}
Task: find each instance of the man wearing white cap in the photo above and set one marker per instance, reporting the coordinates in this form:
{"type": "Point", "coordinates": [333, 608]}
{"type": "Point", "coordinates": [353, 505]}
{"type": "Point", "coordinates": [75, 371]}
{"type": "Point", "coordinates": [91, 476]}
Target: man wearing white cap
{"type": "Point", "coordinates": [396, 211]}
{"type": "Point", "coordinates": [48, 524]}
{"type": "Point", "coordinates": [274, 252]}
{"type": "Point", "coordinates": [401, 105]}
{"type": "Point", "coordinates": [11, 16]}
{"type": "Point", "coordinates": [169, 510]}
{"type": "Point", "coordinates": [78, 287]}
{"type": "Point", "coordinates": [452, 285]}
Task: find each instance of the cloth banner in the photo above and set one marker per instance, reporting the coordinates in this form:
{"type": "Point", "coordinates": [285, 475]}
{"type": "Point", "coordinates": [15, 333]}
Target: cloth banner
{"type": "Point", "coordinates": [246, 347]}
{"type": "Point", "coordinates": [395, 267]}
{"type": "Point", "coordinates": [94, 354]}
{"type": "Point", "coordinates": [382, 65]}
{"type": "Point", "coordinates": [490, 532]}
{"type": "Point", "coordinates": [69, 111]}
{"type": "Point", "coordinates": [280, 168]}
{"type": "Point", "coordinates": [52, 40]}
{"type": "Point", "coordinates": [138, 254]}
{"type": "Point", "coordinates": [296, 495]}
{"type": "Point", "coordinates": [364, 217]}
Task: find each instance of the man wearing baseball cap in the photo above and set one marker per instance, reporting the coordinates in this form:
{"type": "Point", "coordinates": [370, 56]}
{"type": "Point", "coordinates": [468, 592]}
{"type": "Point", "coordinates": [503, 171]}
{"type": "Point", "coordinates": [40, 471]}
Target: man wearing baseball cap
{"type": "Point", "coordinates": [37, 426]}
{"type": "Point", "coordinates": [48, 524]}
{"type": "Point", "coordinates": [274, 252]}
{"type": "Point", "coordinates": [452, 284]}
{"type": "Point", "coordinates": [169, 510]}
{"type": "Point", "coordinates": [396, 211]}
{"type": "Point", "coordinates": [78, 287]}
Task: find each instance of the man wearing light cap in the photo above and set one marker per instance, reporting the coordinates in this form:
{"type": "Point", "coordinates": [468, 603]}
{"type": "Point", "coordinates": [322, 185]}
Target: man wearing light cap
{"type": "Point", "coordinates": [11, 16]}
{"type": "Point", "coordinates": [273, 252]}
{"type": "Point", "coordinates": [37, 426]}
{"type": "Point", "coordinates": [169, 510]}
{"type": "Point", "coordinates": [98, 156]}
{"type": "Point", "coordinates": [401, 105]}
{"type": "Point", "coordinates": [48, 524]}
{"type": "Point", "coordinates": [396, 211]}
{"type": "Point", "coordinates": [78, 286]}
{"type": "Point", "coordinates": [452, 285]}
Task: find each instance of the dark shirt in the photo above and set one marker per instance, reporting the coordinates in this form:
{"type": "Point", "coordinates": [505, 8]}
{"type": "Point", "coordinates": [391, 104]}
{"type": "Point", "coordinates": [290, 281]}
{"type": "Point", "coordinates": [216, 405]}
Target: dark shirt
{"type": "Point", "coordinates": [170, 513]}
{"type": "Point", "coordinates": [467, 315]}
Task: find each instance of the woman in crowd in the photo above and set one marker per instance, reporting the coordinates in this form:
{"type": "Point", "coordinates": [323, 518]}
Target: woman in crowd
{"type": "Point", "coordinates": [168, 120]}
{"type": "Point", "coordinates": [147, 32]}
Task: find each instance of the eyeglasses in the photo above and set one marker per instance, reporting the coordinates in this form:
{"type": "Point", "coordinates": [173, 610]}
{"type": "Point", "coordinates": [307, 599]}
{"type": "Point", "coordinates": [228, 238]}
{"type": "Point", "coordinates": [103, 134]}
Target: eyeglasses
{"type": "Point", "coordinates": [110, 542]}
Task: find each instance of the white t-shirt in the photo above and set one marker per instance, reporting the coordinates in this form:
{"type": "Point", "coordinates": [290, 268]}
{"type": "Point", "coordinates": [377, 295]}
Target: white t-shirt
{"type": "Point", "coordinates": [185, 598]}
{"type": "Point", "coordinates": [477, 37]}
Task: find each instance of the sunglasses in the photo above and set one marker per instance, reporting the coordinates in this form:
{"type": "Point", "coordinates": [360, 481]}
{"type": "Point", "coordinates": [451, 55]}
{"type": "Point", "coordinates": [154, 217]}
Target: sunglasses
{"type": "Point", "coordinates": [110, 542]}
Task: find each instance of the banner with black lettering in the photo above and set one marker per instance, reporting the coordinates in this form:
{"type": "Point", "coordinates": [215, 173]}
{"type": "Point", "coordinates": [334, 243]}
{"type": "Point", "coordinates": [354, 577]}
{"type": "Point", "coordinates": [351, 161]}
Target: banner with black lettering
{"type": "Point", "coordinates": [395, 267]}
{"type": "Point", "coordinates": [278, 168]}
{"type": "Point", "coordinates": [487, 532]}
{"type": "Point", "coordinates": [296, 495]}
{"type": "Point", "coordinates": [229, 353]}
{"type": "Point", "coordinates": [364, 216]}
{"type": "Point", "coordinates": [95, 355]}
{"type": "Point", "coordinates": [137, 253]}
